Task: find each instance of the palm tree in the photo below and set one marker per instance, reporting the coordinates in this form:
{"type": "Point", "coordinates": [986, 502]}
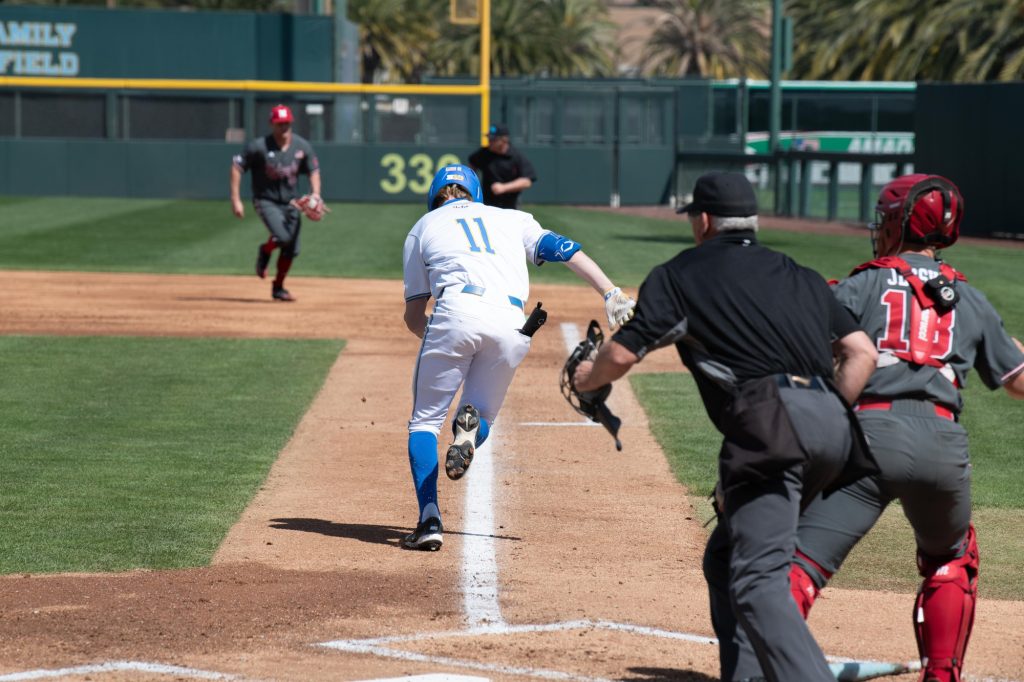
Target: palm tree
{"type": "Point", "coordinates": [394, 37]}
{"type": "Point", "coordinates": [709, 38]}
{"type": "Point", "coordinates": [533, 37]}
{"type": "Point", "coordinates": [945, 40]}
{"type": "Point", "coordinates": [581, 38]}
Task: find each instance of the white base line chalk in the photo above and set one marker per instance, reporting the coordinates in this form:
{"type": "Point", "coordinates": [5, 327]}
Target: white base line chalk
{"type": "Point", "coordinates": [116, 667]}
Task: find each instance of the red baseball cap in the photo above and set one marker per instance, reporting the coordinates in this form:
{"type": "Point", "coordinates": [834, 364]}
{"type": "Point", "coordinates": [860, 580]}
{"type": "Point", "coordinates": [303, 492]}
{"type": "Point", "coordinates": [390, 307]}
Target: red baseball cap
{"type": "Point", "coordinates": [280, 114]}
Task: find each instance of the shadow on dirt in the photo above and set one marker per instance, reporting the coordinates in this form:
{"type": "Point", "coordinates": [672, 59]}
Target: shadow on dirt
{"type": "Point", "coordinates": [364, 532]}
{"type": "Point", "coordinates": [666, 675]}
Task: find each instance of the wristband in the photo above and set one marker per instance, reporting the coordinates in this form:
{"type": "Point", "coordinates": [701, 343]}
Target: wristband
{"type": "Point", "coordinates": [611, 292]}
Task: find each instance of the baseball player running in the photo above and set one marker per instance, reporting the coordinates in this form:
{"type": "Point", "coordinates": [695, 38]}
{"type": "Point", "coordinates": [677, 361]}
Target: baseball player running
{"type": "Point", "coordinates": [276, 162]}
{"type": "Point", "coordinates": [930, 327]}
{"type": "Point", "coordinates": [471, 259]}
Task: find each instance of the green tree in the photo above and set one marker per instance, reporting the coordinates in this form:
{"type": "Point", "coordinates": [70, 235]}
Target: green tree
{"type": "Point", "coordinates": [394, 37]}
{"type": "Point", "coordinates": [581, 38]}
{"type": "Point", "coordinates": [944, 40]}
{"type": "Point", "coordinates": [533, 37]}
{"type": "Point", "coordinates": [709, 38]}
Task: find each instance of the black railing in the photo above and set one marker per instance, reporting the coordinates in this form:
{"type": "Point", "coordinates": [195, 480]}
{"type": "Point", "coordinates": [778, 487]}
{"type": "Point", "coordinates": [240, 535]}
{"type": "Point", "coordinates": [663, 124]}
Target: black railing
{"type": "Point", "coordinates": [790, 176]}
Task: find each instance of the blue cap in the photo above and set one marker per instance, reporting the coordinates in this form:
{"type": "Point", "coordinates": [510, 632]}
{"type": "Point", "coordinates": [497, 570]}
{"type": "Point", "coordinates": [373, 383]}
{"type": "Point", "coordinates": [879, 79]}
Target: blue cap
{"type": "Point", "coordinates": [455, 174]}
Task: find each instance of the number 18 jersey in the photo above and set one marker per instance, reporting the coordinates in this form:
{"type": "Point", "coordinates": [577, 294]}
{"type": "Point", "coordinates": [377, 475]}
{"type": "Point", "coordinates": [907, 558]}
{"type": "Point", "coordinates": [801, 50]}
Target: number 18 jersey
{"type": "Point", "coordinates": [970, 335]}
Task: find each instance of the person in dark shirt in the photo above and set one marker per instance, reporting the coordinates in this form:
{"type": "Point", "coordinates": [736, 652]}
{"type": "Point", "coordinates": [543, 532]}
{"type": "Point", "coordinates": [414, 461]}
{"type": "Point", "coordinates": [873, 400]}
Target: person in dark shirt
{"type": "Point", "coordinates": [276, 161]}
{"type": "Point", "coordinates": [504, 171]}
{"type": "Point", "coordinates": [759, 333]}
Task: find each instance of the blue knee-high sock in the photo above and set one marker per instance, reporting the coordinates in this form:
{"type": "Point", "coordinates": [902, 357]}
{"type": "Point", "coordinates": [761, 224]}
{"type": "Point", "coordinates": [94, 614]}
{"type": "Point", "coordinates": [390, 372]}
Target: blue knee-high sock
{"type": "Point", "coordinates": [482, 432]}
{"type": "Point", "coordinates": [423, 462]}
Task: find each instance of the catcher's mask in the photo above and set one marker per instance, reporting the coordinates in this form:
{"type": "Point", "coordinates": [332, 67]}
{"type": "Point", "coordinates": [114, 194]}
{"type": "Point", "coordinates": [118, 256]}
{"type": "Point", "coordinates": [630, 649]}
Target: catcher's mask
{"type": "Point", "coordinates": [455, 174]}
{"type": "Point", "coordinates": [916, 209]}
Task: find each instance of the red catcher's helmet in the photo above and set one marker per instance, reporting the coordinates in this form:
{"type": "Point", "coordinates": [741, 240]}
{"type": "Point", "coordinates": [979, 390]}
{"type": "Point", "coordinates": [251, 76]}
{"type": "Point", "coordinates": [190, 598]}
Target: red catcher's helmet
{"type": "Point", "coordinates": [280, 114]}
{"type": "Point", "coordinates": [917, 209]}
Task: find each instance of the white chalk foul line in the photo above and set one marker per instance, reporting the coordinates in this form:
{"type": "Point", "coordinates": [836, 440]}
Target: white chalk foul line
{"type": "Point", "coordinates": [114, 667]}
{"type": "Point", "coordinates": [479, 569]}
{"type": "Point", "coordinates": [570, 335]}
{"type": "Point", "coordinates": [843, 668]}
{"type": "Point", "coordinates": [586, 423]}
{"type": "Point", "coordinates": [376, 646]}
{"type": "Point", "coordinates": [432, 677]}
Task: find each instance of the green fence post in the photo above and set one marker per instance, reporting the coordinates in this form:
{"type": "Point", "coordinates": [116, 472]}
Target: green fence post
{"type": "Point", "coordinates": [833, 190]}
{"type": "Point", "coordinates": [805, 187]}
{"type": "Point", "coordinates": [866, 168]}
{"type": "Point", "coordinates": [110, 115]}
{"type": "Point", "coordinates": [249, 115]}
{"type": "Point", "coordinates": [792, 188]}
{"type": "Point", "coordinates": [777, 183]}
{"type": "Point", "coordinates": [17, 113]}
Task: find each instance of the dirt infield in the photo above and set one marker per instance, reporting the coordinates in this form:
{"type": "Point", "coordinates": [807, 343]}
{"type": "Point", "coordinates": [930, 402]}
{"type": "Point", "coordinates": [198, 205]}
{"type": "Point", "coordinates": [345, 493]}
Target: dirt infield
{"type": "Point", "coordinates": [590, 568]}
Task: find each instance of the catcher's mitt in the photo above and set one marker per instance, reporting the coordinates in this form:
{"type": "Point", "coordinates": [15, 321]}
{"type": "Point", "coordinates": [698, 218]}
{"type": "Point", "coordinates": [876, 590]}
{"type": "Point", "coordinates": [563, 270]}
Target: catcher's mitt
{"type": "Point", "coordinates": [591, 404]}
{"type": "Point", "coordinates": [312, 206]}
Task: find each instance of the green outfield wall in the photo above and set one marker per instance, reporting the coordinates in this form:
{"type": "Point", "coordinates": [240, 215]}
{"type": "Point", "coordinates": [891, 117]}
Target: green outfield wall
{"type": "Point", "coordinates": [372, 172]}
{"type": "Point", "coordinates": [100, 43]}
{"type": "Point", "coordinates": [598, 141]}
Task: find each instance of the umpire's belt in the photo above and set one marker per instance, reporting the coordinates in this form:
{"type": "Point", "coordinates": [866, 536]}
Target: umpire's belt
{"type": "Point", "coordinates": [797, 381]}
{"type": "Point", "coordinates": [474, 290]}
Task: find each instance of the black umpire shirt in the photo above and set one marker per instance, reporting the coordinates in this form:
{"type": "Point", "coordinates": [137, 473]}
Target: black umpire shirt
{"type": "Point", "coordinates": [501, 168]}
{"type": "Point", "coordinates": [737, 311]}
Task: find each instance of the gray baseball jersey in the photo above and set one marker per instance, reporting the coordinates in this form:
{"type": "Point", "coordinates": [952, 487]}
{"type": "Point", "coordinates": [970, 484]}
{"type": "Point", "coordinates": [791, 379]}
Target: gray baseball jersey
{"type": "Point", "coordinates": [275, 173]}
{"type": "Point", "coordinates": [970, 335]}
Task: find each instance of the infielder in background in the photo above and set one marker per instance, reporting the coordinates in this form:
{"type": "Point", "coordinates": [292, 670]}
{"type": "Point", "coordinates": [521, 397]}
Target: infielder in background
{"type": "Point", "coordinates": [758, 333]}
{"type": "Point", "coordinates": [504, 171]}
{"type": "Point", "coordinates": [471, 259]}
{"type": "Point", "coordinates": [276, 161]}
{"type": "Point", "coordinates": [930, 327]}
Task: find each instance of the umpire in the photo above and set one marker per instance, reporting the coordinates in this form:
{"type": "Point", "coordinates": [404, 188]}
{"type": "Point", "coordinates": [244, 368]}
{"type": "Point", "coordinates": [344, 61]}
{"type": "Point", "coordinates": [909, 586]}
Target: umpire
{"type": "Point", "coordinates": [276, 161]}
{"type": "Point", "coordinates": [758, 333]}
{"type": "Point", "coordinates": [504, 171]}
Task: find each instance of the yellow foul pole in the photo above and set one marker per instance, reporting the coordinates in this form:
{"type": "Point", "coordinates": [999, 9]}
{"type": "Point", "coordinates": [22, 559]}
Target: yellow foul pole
{"type": "Point", "coordinates": [485, 69]}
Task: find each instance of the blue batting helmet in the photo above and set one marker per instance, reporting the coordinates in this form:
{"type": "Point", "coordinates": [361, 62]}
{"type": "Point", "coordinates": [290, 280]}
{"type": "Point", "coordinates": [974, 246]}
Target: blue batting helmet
{"type": "Point", "coordinates": [455, 174]}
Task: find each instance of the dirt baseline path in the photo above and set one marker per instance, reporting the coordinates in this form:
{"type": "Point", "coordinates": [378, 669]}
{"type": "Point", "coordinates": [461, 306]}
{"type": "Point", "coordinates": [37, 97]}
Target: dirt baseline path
{"type": "Point", "coordinates": [590, 568]}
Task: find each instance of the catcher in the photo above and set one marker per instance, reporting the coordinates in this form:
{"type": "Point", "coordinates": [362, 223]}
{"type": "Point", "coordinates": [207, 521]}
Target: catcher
{"type": "Point", "coordinates": [276, 161]}
{"type": "Point", "coordinates": [931, 327]}
{"type": "Point", "coordinates": [757, 332]}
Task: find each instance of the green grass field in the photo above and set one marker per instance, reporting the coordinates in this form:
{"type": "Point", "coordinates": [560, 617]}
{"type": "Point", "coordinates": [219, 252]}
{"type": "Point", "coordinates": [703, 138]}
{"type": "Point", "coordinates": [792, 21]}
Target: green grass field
{"type": "Point", "coordinates": [120, 453]}
{"type": "Point", "coordinates": [78, 434]}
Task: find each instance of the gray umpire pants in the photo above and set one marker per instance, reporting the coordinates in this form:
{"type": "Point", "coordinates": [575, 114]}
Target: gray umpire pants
{"type": "Point", "coordinates": [761, 632]}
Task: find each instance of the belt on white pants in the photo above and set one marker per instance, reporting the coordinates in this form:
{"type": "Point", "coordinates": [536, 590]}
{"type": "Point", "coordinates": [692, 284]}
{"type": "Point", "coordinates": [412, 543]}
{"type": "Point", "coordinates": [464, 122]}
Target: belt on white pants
{"type": "Point", "coordinates": [474, 290]}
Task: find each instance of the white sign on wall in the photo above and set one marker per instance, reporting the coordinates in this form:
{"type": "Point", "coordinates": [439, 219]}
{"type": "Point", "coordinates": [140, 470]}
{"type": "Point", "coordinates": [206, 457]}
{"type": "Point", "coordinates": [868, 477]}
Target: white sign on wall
{"type": "Point", "coordinates": [37, 48]}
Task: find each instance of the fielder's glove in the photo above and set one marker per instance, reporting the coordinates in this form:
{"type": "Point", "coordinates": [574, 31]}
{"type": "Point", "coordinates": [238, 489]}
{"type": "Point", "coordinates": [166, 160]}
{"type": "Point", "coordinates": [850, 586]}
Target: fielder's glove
{"type": "Point", "coordinates": [591, 404]}
{"type": "Point", "coordinates": [618, 307]}
{"type": "Point", "coordinates": [312, 206]}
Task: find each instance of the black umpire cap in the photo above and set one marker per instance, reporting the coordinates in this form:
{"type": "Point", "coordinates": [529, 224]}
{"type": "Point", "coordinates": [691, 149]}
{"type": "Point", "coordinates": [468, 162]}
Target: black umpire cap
{"type": "Point", "coordinates": [498, 130]}
{"type": "Point", "coordinates": [728, 195]}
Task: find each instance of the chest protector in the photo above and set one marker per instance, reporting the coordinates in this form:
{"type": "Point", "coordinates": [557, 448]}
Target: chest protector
{"type": "Point", "coordinates": [933, 301]}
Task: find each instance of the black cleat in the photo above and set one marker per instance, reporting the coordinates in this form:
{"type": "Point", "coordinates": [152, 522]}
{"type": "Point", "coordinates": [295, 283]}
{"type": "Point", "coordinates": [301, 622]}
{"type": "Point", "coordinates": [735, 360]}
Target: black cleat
{"type": "Point", "coordinates": [427, 536]}
{"type": "Point", "coordinates": [281, 294]}
{"type": "Point", "coordinates": [460, 454]}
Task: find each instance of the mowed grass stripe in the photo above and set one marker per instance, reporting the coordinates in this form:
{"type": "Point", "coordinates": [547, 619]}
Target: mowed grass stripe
{"type": "Point", "coordinates": [365, 241]}
{"type": "Point", "coordinates": [120, 453]}
{"type": "Point", "coordinates": [885, 559]}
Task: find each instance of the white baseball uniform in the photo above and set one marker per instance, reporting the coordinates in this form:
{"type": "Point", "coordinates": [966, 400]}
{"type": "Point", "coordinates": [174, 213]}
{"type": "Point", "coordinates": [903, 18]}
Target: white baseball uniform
{"type": "Point", "coordinates": [472, 259]}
